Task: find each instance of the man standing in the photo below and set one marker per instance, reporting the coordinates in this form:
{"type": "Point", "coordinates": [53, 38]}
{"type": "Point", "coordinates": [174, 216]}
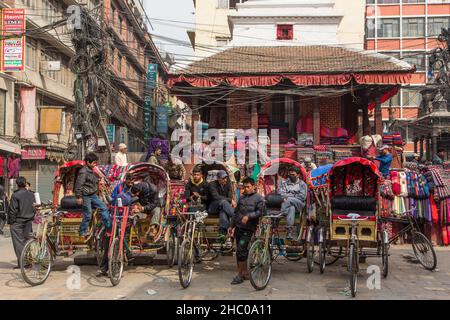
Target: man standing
{"type": "Point", "coordinates": [86, 190]}
{"type": "Point", "coordinates": [416, 158]}
{"type": "Point", "coordinates": [121, 156]}
{"type": "Point", "coordinates": [385, 159]}
{"type": "Point", "coordinates": [154, 159]}
{"type": "Point", "coordinates": [309, 165]}
{"type": "Point", "coordinates": [196, 189]}
{"type": "Point", "coordinates": [293, 190]}
{"type": "Point", "coordinates": [220, 196]}
{"type": "Point", "coordinates": [438, 158]}
{"type": "Point", "coordinates": [21, 214]}
{"type": "Point", "coordinates": [149, 203]}
{"type": "Point", "coordinates": [249, 209]}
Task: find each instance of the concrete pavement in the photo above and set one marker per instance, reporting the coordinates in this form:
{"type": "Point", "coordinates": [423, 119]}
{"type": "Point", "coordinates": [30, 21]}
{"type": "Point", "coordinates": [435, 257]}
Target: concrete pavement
{"type": "Point", "coordinates": [211, 280]}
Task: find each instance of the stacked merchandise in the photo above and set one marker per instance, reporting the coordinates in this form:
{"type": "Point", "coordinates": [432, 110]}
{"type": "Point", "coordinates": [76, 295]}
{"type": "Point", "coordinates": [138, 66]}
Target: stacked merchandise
{"type": "Point", "coordinates": [439, 182]}
{"type": "Point", "coordinates": [303, 153]}
{"type": "Point", "coordinates": [335, 136]}
{"type": "Point", "coordinates": [305, 139]}
{"type": "Point", "coordinates": [342, 154]}
{"type": "Point", "coordinates": [324, 155]}
{"type": "Point", "coordinates": [392, 139]}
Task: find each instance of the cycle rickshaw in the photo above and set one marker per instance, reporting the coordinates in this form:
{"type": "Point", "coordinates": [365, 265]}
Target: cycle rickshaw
{"type": "Point", "coordinates": [354, 215]}
{"type": "Point", "coordinates": [58, 227]}
{"type": "Point", "coordinates": [130, 233]}
{"type": "Point", "coordinates": [200, 230]}
{"type": "Point", "coordinates": [269, 242]}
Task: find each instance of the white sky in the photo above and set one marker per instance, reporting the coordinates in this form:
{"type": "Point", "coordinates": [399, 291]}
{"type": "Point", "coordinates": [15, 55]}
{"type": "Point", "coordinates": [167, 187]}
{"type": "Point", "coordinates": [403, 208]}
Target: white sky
{"type": "Point", "coordinates": [175, 10]}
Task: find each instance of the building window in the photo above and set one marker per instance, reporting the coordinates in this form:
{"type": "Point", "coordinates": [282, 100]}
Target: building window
{"type": "Point", "coordinates": [221, 42]}
{"type": "Point", "coordinates": [50, 10]}
{"type": "Point", "coordinates": [413, 27]}
{"type": "Point", "coordinates": [228, 4]}
{"type": "Point", "coordinates": [415, 58]}
{"type": "Point", "coordinates": [48, 57]}
{"type": "Point", "coordinates": [30, 54]}
{"type": "Point", "coordinates": [435, 25]}
{"type": "Point", "coordinates": [285, 32]}
{"type": "Point", "coordinates": [2, 111]}
{"type": "Point", "coordinates": [411, 98]}
{"type": "Point", "coordinates": [388, 28]}
{"type": "Point", "coordinates": [392, 102]}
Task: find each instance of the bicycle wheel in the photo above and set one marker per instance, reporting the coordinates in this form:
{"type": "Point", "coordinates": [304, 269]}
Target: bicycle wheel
{"type": "Point", "coordinates": [115, 267]}
{"type": "Point", "coordinates": [171, 246]}
{"type": "Point", "coordinates": [185, 264]}
{"type": "Point", "coordinates": [353, 268]}
{"type": "Point", "coordinates": [322, 252]}
{"type": "Point", "coordinates": [385, 253]}
{"type": "Point", "coordinates": [310, 251]}
{"type": "Point", "coordinates": [424, 251]}
{"type": "Point", "coordinates": [35, 262]}
{"type": "Point", "coordinates": [99, 247]}
{"type": "Point", "coordinates": [259, 265]}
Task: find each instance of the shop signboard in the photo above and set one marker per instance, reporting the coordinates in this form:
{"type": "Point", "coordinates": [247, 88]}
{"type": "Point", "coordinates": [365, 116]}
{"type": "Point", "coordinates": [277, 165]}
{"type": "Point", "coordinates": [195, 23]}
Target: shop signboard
{"type": "Point", "coordinates": [34, 153]}
{"type": "Point", "coordinates": [13, 44]}
{"type": "Point", "coordinates": [162, 117]}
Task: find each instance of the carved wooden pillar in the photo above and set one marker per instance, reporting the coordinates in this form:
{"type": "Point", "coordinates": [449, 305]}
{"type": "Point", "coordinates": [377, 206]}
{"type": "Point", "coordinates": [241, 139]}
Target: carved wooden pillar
{"type": "Point", "coordinates": [254, 116]}
{"type": "Point", "coordinates": [378, 118]}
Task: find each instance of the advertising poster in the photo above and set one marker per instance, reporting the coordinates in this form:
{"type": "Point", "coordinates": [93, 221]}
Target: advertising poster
{"type": "Point", "coordinates": [13, 44]}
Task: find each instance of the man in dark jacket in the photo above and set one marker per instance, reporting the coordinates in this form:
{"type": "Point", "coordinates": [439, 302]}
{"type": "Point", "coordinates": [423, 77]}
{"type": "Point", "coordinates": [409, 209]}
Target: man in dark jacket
{"type": "Point", "coordinates": [221, 201]}
{"type": "Point", "coordinates": [86, 189]}
{"type": "Point", "coordinates": [249, 209]}
{"type": "Point", "coordinates": [21, 214]}
{"type": "Point", "coordinates": [196, 191]}
{"type": "Point", "coordinates": [149, 203]}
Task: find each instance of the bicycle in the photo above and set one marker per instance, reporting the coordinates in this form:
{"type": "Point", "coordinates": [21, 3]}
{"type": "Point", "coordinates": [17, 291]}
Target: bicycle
{"type": "Point", "coordinates": [192, 241]}
{"type": "Point", "coordinates": [422, 247]}
{"type": "Point", "coordinates": [40, 251]}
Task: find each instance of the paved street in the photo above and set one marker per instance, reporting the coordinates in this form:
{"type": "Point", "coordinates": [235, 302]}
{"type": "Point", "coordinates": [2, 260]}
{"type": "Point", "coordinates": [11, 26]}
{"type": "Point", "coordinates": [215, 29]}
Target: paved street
{"type": "Point", "coordinates": [290, 280]}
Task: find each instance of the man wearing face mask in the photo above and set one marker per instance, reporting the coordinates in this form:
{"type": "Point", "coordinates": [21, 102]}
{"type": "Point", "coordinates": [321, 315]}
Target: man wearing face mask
{"type": "Point", "coordinates": [293, 190]}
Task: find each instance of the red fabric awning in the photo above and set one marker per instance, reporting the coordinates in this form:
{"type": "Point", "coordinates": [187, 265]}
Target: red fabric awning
{"type": "Point", "coordinates": [299, 80]}
{"type": "Point", "coordinates": [385, 97]}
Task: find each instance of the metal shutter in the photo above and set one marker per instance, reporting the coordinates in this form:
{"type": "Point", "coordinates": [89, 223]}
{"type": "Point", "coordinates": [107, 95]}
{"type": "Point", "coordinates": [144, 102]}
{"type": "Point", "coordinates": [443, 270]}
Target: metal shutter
{"type": "Point", "coordinates": [28, 171]}
{"type": "Point", "coordinates": [46, 175]}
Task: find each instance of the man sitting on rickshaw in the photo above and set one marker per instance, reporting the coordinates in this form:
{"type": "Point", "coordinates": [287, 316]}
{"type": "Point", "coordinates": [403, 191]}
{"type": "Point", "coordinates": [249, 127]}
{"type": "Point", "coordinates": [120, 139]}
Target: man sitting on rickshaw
{"type": "Point", "coordinates": [220, 198]}
{"type": "Point", "coordinates": [196, 191]}
{"type": "Point", "coordinates": [148, 203]}
{"type": "Point", "coordinates": [293, 190]}
{"type": "Point", "coordinates": [123, 187]}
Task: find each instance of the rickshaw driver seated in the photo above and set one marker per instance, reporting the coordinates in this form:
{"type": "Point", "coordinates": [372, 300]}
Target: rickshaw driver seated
{"type": "Point", "coordinates": [220, 199]}
{"type": "Point", "coordinates": [196, 189]}
{"type": "Point", "coordinates": [293, 190]}
{"type": "Point", "coordinates": [148, 203]}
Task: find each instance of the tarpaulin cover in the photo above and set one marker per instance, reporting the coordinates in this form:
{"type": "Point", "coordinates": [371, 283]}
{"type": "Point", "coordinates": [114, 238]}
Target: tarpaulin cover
{"type": "Point", "coordinates": [319, 176]}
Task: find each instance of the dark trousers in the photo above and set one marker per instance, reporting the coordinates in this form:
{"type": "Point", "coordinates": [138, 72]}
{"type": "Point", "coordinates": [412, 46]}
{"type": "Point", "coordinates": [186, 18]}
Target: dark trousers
{"type": "Point", "coordinates": [20, 232]}
{"type": "Point", "coordinates": [243, 239]}
{"type": "Point", "coordinates": [2, 221]}
{"type": "Point", "coordinates": [225, 211]}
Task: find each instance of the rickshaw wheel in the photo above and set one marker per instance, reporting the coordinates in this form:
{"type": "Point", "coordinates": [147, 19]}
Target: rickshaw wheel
{"type": "Point", "coordinates": [259, 265]}
{"type": "Point", "coordinates": [35, 262]}
{"type": "Point", "coordinates": [424, 251]}
{"type": "Point", "coordinates": [385, 253]}
{"type": "Point", "coordinates": [353, 268]}
{"type": "Point", "coordinates": [171, 249]}
{"type": "Point", "coordinates": [115, 262]}
{"type": "Point", "coordinates": [322, 255]}
{"type": "Point", "coordinates": [99, 247]}
{"type": "Point", "coordinates": [185, 264]}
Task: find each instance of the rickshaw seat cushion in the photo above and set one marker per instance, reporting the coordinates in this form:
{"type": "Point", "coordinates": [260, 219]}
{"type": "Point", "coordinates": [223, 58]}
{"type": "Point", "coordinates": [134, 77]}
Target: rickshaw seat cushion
{"type": "Point", "coordinates": [343, 213]}
{"type": "Point", "coordinates": [364, 203]}
{"type": "Point", "coordinates": [70, 203]}
{"type": "Point", "coordinates": [274, 201]}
